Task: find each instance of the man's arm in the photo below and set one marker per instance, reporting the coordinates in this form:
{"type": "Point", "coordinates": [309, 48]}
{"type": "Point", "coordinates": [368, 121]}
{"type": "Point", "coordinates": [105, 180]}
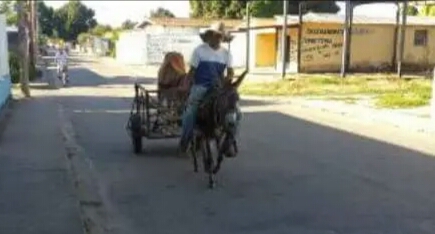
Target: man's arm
{"type": "Point", "coordinates": [194, 62]}
{"type": "Point", "coordinates": [230, 70]}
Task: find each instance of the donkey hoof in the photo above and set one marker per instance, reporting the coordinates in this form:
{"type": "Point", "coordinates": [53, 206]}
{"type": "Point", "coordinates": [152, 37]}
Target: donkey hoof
{"type": "Point", "coordinates": [216, 170]}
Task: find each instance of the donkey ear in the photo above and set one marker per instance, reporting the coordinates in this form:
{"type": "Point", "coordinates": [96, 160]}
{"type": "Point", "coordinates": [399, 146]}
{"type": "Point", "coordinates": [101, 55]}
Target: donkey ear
{"type": "Point", "coordinates": [239, 80]}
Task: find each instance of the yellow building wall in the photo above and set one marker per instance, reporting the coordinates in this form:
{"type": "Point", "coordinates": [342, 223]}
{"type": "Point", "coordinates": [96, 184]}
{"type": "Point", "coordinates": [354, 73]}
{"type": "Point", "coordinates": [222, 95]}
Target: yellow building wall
{"type": "Point", "coordinates": [372, 48]}
{"type": "Point", "coordinates": [321, 48]}
{"type": "Point", "coordinates": [265, 51]}
{"type": "Point", "coordinates": [419, 56]}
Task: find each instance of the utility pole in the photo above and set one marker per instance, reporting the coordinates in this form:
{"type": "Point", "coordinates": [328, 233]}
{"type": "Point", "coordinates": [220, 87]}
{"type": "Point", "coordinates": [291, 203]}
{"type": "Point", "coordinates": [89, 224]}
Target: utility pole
{"type": "Point", "coordinates": [300, 27]}
{"type": "Point", "coordinates": [23, 35]}
{"type": "Point", "coordinates": [31, 6]}
{"type": "Point", "coordinates": [35, 19]}
{"type": "Point", "coordinates": [248, 36]}
{"type": "Point", "coordinates": [402, 38]}
{"type": "Point", "coordinates": [346, 37]}
{"type": "Point", "coordinates": [284, 39]}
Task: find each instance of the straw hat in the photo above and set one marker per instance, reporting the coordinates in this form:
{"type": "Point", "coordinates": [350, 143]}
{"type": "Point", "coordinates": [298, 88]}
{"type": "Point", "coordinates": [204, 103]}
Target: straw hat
{"type": "Point", "coordinates": [219, 28]}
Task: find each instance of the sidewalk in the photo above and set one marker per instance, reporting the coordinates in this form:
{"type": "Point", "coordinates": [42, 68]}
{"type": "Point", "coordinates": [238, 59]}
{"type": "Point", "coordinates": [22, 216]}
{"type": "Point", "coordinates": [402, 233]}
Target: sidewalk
{"type": "Point", "coordinates": [36, 193]}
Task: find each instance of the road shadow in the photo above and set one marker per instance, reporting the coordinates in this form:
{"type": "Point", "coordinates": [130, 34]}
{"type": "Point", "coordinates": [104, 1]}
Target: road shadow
{"type": "Point", "coordinates": [72, 61]}
{"type": "Point", "coordinates": [82, 77]}
{"type": "Point", "coordinates": [323, 171]}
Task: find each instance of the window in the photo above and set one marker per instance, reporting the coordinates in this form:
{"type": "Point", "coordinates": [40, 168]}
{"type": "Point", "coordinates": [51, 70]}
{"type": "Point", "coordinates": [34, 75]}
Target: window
{"type": "Point", "coordinates": [420, 38]}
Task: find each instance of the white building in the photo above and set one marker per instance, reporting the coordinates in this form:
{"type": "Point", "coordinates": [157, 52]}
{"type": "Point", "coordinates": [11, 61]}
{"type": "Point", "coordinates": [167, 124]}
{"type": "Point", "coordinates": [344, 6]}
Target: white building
{"type": "Point", "coordinates": [5, 81]}
{"type": "Point", "coordinates": [154, 37]}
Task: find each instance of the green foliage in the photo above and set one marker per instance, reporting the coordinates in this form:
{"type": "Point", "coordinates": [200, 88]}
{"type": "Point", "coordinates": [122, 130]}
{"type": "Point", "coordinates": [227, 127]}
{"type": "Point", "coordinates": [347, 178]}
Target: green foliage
{"type": "Point", "coordinates": [384, 90]}
{"type": "Point", "coordinates": [112, 52]}
{"type": "Point", "coordinates": [235, 9]}
{"type": "Point", "coordinates": [412, 10]}
{"type": "Point", "coordinates": [46, 19]}
{"type": "Point", "coordinates": [427, 10]}
{"type": "Point", "coordinates": [83, 38]}
{"type": "Point", "coordinates": [74, 18]}
{"type": "Point", "coordinates": [196, 8]}
{"type": "Point", "coordinates": [268, 8]}
{"type": "Point", "coordinates": [7, 8]}
{"type": "Point", "coordinates": [128, 24]}
{"type": "Point", "coordinates": [100, 30]}
{"type": "Point", "coordinates": [162, 13]}
{"type": "Point", "coordinates": [14, 67]}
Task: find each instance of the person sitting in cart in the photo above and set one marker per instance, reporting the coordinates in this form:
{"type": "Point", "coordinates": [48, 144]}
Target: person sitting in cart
{"type": "Point", "coordinates": [207, 67]}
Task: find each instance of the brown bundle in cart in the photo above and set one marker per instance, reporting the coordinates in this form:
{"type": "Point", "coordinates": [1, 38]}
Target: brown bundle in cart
{"type": "Point", "coordinates": [172, 77]}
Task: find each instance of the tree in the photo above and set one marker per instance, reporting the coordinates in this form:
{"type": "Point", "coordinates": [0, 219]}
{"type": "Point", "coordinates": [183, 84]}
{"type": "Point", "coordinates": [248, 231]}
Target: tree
{"type": "Point", "coordinates": [235, 9]}
{"type": "Point", "coordinates": [162, 13]}
{"type": "Point", "coordinates": [24, 44]}
{"type": "Point", "coordinates": [100, 30]}
{"type": "Point", "coordinates": [72, 19]}
{"type": "Point", "coordinates": [412, 10]}
{"type": "Point", "coordinates": [196, 9]}
{"type": "Point", "coordinates": [427, 10]}
{"type": "Point", "coordinates": [46, 19]}
{"type": "Point", "coordinates": [7, 8]}
{"type": "Point", "coordinates": [128, 24]}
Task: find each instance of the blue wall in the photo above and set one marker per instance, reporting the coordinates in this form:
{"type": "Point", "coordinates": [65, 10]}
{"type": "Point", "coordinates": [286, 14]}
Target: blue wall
{"type": "Point", "coordinates": [5, 89]}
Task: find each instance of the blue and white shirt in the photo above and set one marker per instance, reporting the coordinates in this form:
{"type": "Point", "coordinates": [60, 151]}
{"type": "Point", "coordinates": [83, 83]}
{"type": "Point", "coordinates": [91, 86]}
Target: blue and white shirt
{"type": "Point", "coordinates": [209, 64]}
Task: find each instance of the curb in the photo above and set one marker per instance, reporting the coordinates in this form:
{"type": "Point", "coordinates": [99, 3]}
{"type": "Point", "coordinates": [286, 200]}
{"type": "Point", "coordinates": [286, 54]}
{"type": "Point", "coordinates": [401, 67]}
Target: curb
{"type": "Point", "coordinates": [6, 114]}
{"type": "Point", "coordinates": [93, 211]}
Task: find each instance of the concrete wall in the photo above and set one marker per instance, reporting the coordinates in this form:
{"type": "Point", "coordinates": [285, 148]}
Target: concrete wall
{"type": "Point", "coordinates": [418, 57]}
{"type": "Point", "coordinates": [131, 47]}
{"type": "Point", "coordinates": [5, 81]}
{"type": "Point", "coordinates": [159, 44]}
{"type": "Point", "coordinates": [237, 47]}
{"type": "Point", "coordinates": [143, 47]}
{"type": "Point", "coordinates": [157, 29]}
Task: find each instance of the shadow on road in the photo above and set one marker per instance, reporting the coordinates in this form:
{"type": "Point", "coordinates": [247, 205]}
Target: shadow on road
{"type": "Point", "coordinates": [81, 77]}
{"type": "Point", "coordinates": [291, 172]}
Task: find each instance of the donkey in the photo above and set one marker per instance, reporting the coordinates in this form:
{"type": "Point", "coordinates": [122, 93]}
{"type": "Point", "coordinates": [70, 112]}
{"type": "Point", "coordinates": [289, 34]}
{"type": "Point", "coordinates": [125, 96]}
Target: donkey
{"type": "Point", "coordinates": [216, 121]}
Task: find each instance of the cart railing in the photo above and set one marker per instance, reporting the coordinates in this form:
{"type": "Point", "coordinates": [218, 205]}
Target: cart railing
{"type": "Point", "coordinates": [159, 111]}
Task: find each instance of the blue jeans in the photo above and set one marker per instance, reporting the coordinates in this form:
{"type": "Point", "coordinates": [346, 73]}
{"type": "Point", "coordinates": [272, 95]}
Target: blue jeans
{"type": "Point", "coordinates": [197, 93]}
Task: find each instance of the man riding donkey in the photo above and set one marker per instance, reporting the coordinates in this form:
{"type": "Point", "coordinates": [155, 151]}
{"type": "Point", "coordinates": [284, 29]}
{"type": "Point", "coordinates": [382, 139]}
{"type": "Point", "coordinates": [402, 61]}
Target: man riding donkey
{"type": "Point", "coordinates": [208, 64]}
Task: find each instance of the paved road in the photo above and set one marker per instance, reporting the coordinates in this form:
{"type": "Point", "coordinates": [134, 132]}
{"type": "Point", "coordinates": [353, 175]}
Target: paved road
{"type": "Point", "coordinates": [292, 175]}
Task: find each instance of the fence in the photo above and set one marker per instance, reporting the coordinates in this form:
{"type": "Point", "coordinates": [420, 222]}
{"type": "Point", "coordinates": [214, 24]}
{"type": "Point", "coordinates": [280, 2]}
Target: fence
{"type": "Point", "coordinates": [5, 81]}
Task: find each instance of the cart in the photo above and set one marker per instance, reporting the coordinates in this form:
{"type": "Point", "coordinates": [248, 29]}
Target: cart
{"type": "Point", "coordinates": [155, 114]}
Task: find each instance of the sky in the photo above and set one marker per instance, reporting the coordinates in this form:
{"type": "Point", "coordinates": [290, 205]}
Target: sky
{"type": "Point", "coordinates": [116, 12]}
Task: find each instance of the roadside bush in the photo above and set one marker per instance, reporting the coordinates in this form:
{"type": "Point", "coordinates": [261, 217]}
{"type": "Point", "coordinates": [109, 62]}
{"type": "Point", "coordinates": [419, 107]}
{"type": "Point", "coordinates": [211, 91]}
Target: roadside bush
{"type": "Point", "coordinates": [32, 71]}
{"type": "Point", "coordinates": [14, 67]}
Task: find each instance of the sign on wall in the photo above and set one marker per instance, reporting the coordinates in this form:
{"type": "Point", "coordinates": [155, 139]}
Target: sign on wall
{"type": "Point", "coordinates": [158, 45]}
{"type": "Point", "coordinates": [324, 45]}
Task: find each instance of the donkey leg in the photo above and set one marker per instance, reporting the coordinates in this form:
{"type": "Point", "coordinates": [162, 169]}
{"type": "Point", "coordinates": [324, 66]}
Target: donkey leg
{"type": "Point", "coordinates": [194, 155]}
{"type": "Point", "coordinates": [220, 157]}
{"type": "Point", "coordinates": [209, 165]}
{"type": "Point", "coordinates": [203, 147]}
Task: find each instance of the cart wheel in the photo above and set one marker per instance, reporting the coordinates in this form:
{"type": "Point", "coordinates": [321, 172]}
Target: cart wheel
{"type": "Point", "coordinates": [136, 133]}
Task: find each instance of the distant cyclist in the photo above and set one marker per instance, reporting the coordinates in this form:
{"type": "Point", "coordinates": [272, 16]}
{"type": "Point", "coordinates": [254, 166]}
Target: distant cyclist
{"type": "Point", "coordinates": [61, 60]}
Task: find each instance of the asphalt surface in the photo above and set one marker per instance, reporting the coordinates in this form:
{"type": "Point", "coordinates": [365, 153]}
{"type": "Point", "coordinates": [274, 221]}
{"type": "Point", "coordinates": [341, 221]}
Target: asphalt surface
{"type": "Point", "coordinates": [291, 176]}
